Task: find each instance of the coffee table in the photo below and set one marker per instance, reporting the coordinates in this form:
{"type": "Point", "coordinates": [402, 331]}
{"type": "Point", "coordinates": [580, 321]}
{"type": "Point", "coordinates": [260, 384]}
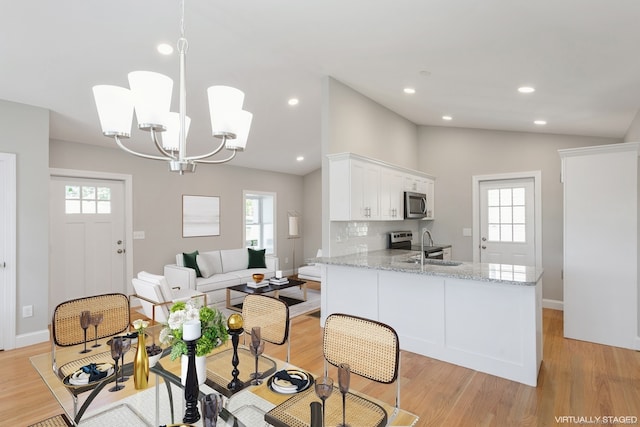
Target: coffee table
{"type": "Point", "coordinates": [244, 288]}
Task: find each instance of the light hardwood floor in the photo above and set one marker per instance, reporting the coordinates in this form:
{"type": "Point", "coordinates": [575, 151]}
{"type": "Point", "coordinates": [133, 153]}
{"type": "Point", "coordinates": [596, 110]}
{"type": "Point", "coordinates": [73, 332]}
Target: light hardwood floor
{"type": "Point", "coordinates": [577, 379]}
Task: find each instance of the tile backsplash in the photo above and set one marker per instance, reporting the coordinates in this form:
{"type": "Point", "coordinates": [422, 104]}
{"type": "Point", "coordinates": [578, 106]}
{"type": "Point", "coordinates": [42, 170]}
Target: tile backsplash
{"type": "Point", "coordinates": [349, 237]}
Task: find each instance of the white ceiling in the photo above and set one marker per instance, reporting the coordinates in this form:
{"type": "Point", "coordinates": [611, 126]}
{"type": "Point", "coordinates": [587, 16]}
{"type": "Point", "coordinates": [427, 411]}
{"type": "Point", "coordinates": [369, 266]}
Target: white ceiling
{"type": "Point", "coordinates": [581, 55]}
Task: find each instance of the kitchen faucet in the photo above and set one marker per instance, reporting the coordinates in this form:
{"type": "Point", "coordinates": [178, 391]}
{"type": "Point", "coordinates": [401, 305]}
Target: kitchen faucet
{"type": "Point", "coordinates": [428, 233]}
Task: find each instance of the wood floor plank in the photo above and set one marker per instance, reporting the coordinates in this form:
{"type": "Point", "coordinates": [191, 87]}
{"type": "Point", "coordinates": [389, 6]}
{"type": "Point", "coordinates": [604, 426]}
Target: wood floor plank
{"type": "Point", "coordinates": [576, 379]}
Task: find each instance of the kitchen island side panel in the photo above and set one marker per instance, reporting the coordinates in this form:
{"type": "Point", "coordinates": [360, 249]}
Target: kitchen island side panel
{"type": "Point", "coordinates": [489, 327]}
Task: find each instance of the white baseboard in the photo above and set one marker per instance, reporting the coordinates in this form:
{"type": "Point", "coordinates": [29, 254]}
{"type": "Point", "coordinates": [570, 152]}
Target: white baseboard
{"type": "Point", "coordinates": [553, 304]}
{"type": "Point", "coordinates": [32, 338]}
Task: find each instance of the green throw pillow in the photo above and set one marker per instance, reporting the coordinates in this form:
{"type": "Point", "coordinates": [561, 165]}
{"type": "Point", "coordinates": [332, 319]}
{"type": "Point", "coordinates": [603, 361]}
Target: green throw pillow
{"type": "Point", "coordinates": [190, 261]}
{"type": "Point", "coordinates": [256, 258]}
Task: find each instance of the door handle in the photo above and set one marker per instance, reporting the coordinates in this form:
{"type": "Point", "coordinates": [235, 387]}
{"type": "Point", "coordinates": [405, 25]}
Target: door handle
{"type": "Point", "coordinates": [120, 251]}
{"type": "Point", "coordinates": [483, 247]}
{"type": "Point", "coordinates": [484, 239]}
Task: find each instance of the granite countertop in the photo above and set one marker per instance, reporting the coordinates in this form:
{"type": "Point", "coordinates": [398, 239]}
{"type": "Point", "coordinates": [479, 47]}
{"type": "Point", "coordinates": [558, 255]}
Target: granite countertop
{"type": "Point", "coordinates": [406, 261]}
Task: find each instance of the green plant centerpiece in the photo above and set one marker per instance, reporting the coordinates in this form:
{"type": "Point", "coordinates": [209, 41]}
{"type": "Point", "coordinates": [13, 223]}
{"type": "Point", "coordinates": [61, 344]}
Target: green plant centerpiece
{"type": "Point", "coordinates": [213, 327]}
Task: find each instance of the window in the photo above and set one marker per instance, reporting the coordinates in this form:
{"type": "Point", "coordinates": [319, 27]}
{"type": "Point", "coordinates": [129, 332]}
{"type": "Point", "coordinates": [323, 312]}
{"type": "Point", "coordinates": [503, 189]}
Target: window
{"type": "Point", "coordinates": [80, 199]}
{"type": "Point", "coordinates": [506, 215]}
{"type": "Point", "coordinates": [259, 214]}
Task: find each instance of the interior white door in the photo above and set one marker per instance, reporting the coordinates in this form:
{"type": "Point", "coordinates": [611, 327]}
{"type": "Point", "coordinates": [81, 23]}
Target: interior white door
{"type": "Point", "coordinates": [507, 222]}
{"type": "Point", "coordinates": [7, 249]}
{"type": "Point", "coordinates": [87, 238]}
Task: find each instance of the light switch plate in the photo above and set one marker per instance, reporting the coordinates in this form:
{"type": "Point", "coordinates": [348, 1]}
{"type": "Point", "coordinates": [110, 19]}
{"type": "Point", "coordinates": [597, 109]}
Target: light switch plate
{"type": "Point", "coordinates": [466, 232]}
{"type": "Point", "coordinates": [138, 235]}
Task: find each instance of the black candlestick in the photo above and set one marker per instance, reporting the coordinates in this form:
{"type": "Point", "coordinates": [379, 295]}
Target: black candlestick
{"type": "Point", "coordinates": [235, 383]}
{"type": "Point", "coordinates": [191, 389]}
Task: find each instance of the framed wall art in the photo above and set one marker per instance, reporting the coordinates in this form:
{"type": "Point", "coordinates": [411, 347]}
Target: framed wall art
{"type": "Point", "coordinates": [200, 216]}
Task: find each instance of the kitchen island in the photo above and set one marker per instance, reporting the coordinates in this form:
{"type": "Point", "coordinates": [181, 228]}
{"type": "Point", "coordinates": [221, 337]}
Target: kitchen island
{"type": "Point", "coordinates": [486, 317]}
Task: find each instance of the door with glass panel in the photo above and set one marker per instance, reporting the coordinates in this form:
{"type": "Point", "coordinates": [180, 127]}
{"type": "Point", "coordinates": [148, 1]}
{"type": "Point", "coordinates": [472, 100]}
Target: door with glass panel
{"type": "Point", "coordinates": [507, 234]}
{"type": "Point", "coordinates": [87, 226]}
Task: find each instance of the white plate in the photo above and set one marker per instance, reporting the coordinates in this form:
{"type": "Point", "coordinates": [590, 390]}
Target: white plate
{"type": "Point", "coordinates": [285, 387]}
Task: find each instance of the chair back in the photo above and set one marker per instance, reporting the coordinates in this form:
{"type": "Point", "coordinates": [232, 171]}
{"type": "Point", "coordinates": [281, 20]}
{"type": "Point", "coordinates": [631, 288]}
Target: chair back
{"type": "Point", "coordinates": [271, 314]}
{"type": "Point", "coordinates": [65, 324]}
{"type": "Point", "coordinates": [370, 348]}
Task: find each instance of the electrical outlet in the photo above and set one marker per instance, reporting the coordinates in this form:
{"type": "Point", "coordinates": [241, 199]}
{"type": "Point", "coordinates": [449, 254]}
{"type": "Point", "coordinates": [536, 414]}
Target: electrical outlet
{"type": "Point", "coordinates": [27, 311]}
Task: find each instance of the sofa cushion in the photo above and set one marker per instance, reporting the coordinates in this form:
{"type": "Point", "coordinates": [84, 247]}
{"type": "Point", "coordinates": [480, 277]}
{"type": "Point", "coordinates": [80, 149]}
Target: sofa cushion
{"type": "Point", "coordinates": [190, 261]}
{"type": "Point", "coordinates": [256, 258]}
{"type": "Point", "coordinates": [209, 263]}
{"type": "Point", "coordinates": [234, 260]}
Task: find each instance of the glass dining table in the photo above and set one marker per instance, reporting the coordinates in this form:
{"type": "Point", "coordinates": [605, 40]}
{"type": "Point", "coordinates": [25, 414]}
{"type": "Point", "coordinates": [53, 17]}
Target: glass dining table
{"type": "Point", "coordinates": [162, 403]}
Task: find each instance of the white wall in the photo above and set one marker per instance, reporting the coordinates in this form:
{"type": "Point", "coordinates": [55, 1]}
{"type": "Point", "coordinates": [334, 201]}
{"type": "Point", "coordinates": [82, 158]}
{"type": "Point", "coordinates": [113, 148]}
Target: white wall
{"type": "Point", "coordinates": [354, 123]}
{"type": "Point", "coordinates": [312, 214]}
{"type": "Point", "coordinates": [25, 132]}
{"type": "Point", "coordinates": [157, 201]}
{"type": "Point", "coordinates": [633, 133]}
{"type": "Point", "coordinates": [454, 155]}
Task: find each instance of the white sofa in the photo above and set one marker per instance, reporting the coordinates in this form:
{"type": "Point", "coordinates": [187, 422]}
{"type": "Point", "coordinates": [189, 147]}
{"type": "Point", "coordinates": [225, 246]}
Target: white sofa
{"type": "Point", "coordinates": [220, 269]}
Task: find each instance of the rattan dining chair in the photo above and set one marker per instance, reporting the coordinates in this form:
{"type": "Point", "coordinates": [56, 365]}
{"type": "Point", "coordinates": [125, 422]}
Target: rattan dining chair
{"type": "Point", "coordinates": [371, 349]}
{"type": "Point", "coordinates": [272, 315]}
{"type": "Point", "coordinates": [66, 331]}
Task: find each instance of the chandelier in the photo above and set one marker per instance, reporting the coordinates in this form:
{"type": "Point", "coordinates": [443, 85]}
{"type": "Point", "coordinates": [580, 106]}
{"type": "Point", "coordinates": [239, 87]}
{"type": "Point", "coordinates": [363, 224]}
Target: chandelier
{"type": "Point", "coordinates": [150, 96]}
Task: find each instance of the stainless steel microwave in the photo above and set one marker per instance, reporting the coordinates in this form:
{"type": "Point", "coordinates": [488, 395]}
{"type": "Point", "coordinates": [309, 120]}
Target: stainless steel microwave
{"type": "Point", "coordinates": [415, 205]}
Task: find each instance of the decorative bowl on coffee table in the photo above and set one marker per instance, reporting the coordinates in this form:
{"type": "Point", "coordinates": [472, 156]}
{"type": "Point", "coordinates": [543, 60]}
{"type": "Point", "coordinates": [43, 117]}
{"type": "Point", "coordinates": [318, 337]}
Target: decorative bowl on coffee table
{"type": "Point", "coordinates": [257, 277]}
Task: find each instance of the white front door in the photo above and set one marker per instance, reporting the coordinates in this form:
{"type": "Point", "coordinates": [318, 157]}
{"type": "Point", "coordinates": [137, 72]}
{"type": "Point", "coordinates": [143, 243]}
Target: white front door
{"type": "Point", "coordinates": [507, 232]}
{"type": "Point", "coordinates": [87, 223]}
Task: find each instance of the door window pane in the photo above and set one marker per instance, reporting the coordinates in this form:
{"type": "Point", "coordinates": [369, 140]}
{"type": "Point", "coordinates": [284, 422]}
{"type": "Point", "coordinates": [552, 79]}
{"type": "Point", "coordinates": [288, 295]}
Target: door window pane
{"type": "Point", "coordinates": [87, 199]}
{"type": "Point", "coordinates": [493, 197]}
{"type": "Point", "coordinates": [506, 215]}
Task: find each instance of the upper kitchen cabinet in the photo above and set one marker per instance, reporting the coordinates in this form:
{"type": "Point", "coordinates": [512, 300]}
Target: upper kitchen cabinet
{"type": "Point", "coordinates": [355, 190]}
{"type": "Point", "coordinates": [391, 201]}
{"type": "Point", "coordinates": [363, 189]}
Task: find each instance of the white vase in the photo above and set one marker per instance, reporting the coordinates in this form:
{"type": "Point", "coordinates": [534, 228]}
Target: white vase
{"type": "Point", "coordinates": [201, 369]}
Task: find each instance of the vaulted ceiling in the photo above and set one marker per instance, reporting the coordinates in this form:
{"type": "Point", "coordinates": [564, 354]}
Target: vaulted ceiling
{"type": "Point", "coordinates": [464, 58]}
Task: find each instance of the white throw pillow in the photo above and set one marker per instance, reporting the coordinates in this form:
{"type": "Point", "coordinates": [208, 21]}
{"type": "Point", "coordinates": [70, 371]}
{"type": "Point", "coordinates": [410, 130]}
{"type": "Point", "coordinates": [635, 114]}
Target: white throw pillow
{"type": "Point", "coordinates": [209, 263]}
{"type": "Point", "coordinates": [234, 259]}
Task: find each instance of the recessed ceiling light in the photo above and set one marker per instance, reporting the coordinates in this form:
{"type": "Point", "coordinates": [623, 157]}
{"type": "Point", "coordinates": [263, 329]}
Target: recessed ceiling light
{"type": "Point", "coordinates": [447, 118]}
{"type": "Point", "coordinates": [165, 49]}
{"type": "Point", "coordinates": [540, 122]}
{"type": "Point", "coordinates": [526, 89]}
{"type": "Point", "coordinates": [293, 101]}
{"type": "Point", "coordinates": [409, 90]}
{"type": "Point", "coordinates": [300, 158]}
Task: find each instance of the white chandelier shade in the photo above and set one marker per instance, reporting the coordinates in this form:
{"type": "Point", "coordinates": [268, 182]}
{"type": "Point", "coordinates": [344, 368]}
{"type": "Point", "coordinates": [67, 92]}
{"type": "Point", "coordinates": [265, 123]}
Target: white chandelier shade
{"type": "Point", "coordinates": [171, 136]}
{"type": "Point", "coordinates": [115, 109]}
{"type": "Point", "coordinates": [241, 124]}
{"type": "Point", "coordinates": [151, 97]}
{"type": "Point", "coordinates": [224, 103]}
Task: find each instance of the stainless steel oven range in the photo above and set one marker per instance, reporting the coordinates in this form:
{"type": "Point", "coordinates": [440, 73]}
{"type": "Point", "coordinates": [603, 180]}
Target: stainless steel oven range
{"type": "Point", "coordinates": [402, 240]}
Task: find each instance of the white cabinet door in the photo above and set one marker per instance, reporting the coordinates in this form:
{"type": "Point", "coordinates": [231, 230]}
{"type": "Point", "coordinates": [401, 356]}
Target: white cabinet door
{"type": "Point", "coordinates": [391, 192]}
{"type": "Point", "coordinates": [430, 192]}
{"type": "Point", "coordinates": [365, 190]}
